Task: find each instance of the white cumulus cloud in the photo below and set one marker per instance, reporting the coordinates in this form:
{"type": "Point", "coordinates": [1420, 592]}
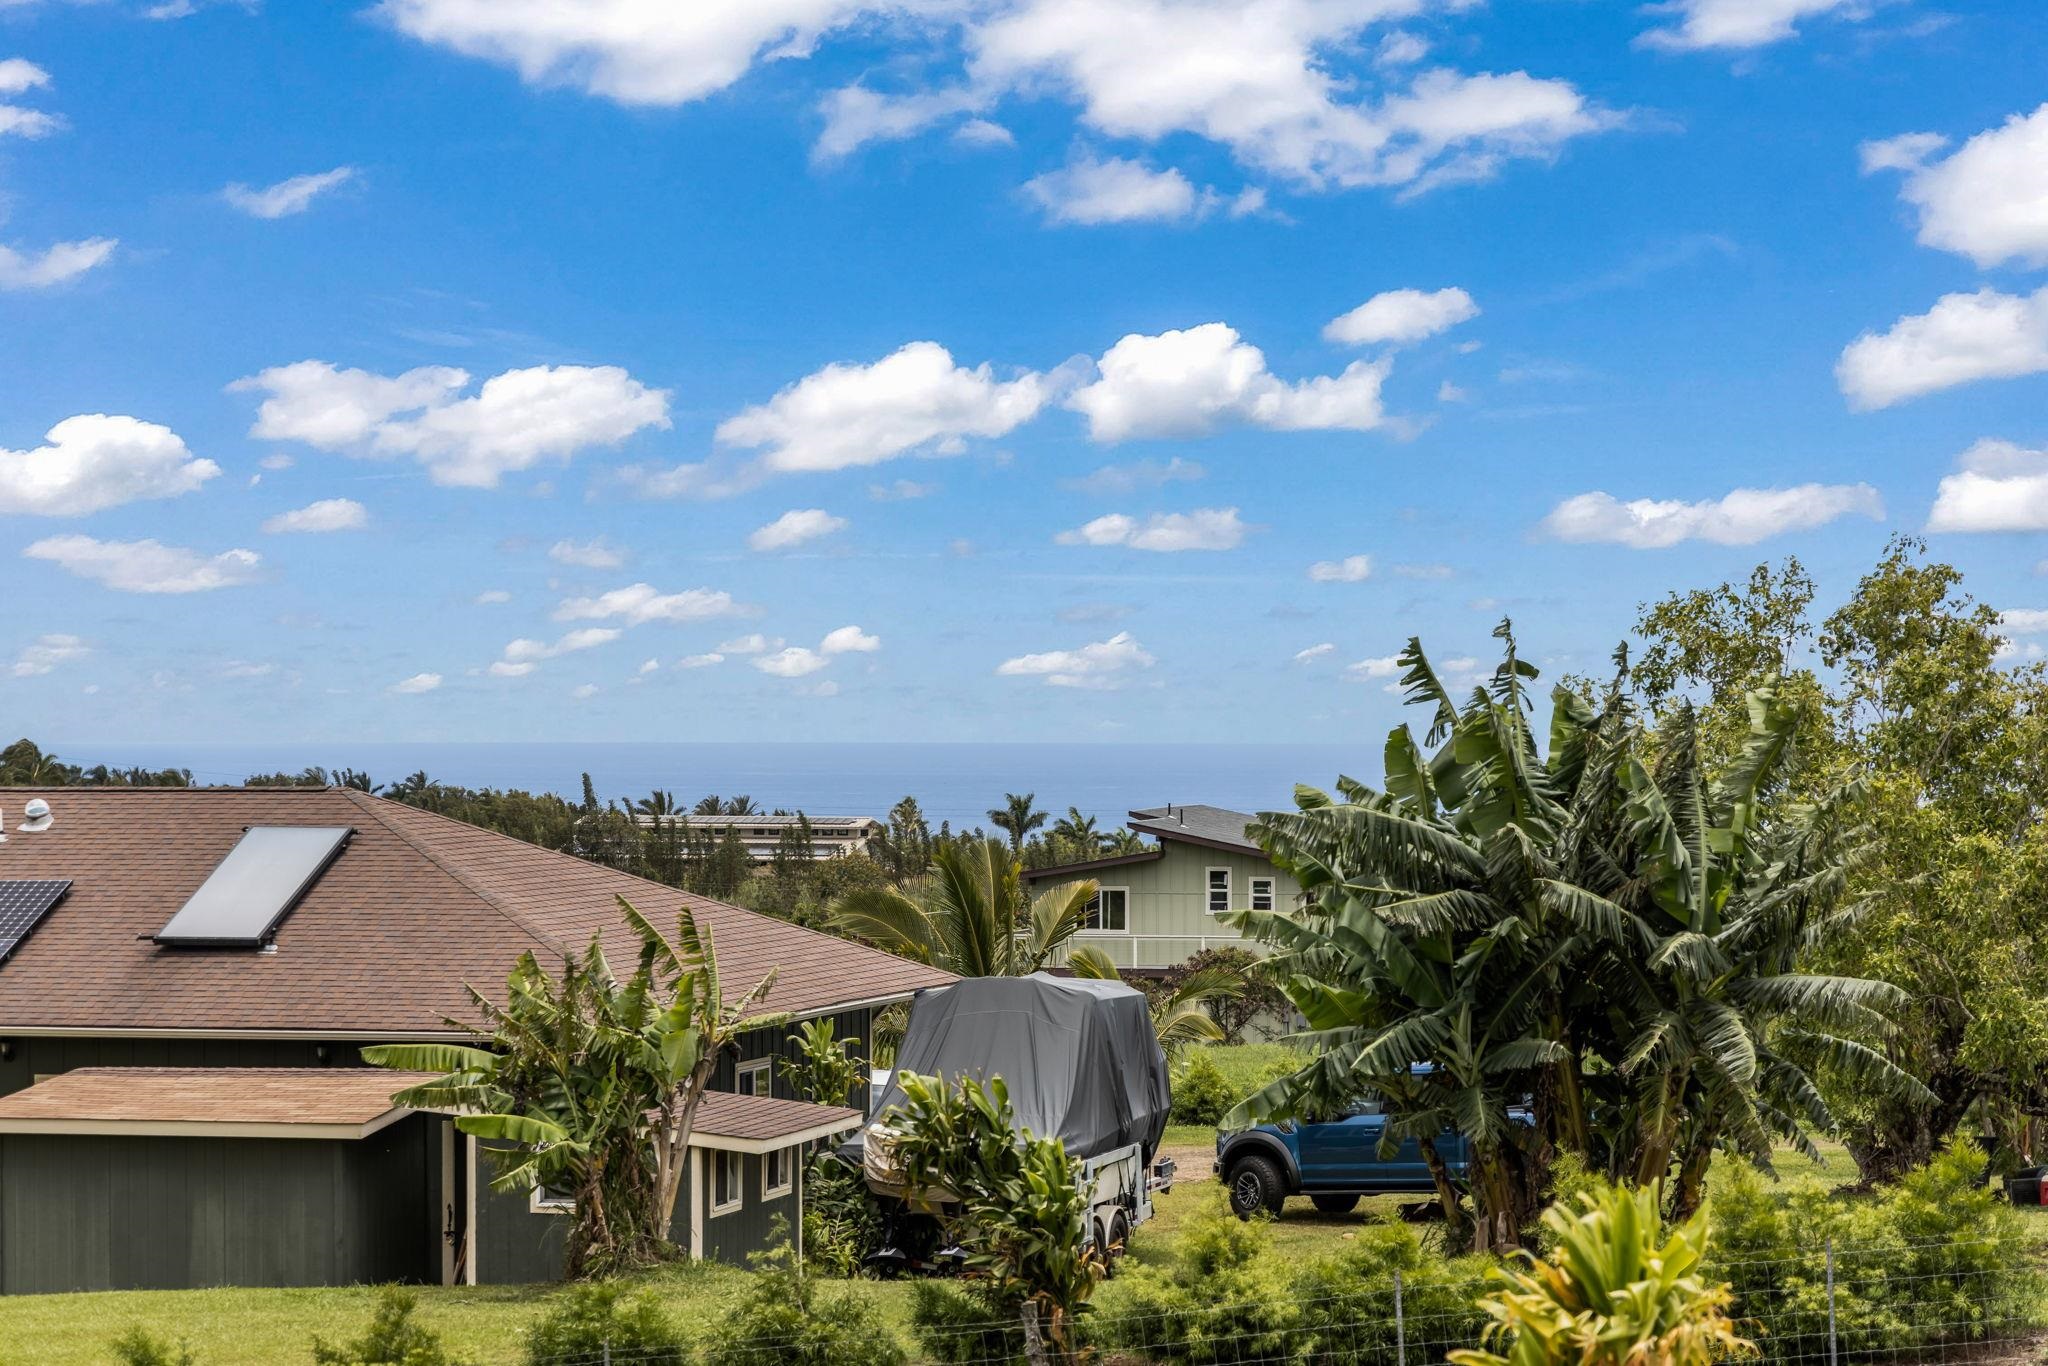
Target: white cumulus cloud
{"type": "Point", "coordinates": [57, 264]}
{"type": "Point", "coordinates": [1187, 382]}
{"type": "Point", "coordinates": [1402, 315]}
{"type": "Point", "coordinates": [2024, 621]}
{"type": "Point", "coordinates": [96, 461]}
{"type": "Point", "coordinates": [915, 400]}
{"type": "Point", "coordinates": [597, 554]}
{"type": "Point", "coordinates": [793, 662]}
{"type": "Point", "coordinates": [640, 603]}
{"type": "Point", "coordinates": [753, 643]}
{"type": "Point", "coordinates": [1988, 200]}
{"type": "Point", "coordinates": [1315, 652]}
{"type": "Point", "coordinates": [287, 197]}
{"type": "Point", "coordinates": [1740, 24]}
{"type": "Point", "coordinates": [1201, 529]}
{"type": "Point", "coordinates": [47, 654]}
{"type": "Point", "coordinates": [417, 684]}
{"type": "Point", "coordinates": [524, 655]}
{"type": "Point", "coordinates": [1374, 669]}
{"type": "Point", "coordinates": [19, 75]}
{"type": "Point", "coordinates": [1350, 569]}
{"type": "Point", "coordinates": [514, 421]}
{"type": "Point", "coordinates": [1742, 517]}
{"type": "Point", "coordinates": [703, 661]}
{"type": "Point", "coordinates": [1997, 486]}
{"type": "Point", "coordinates": [1962, 339]}
{"type": "Point", "coordinates": [795, 527]}
{"type": "Point", "coordinates": [147, 566]}
{"type": "Point", "coordinates": [328, 514]}
{"type": "Point", "coordinates": [849, 640]}
{"type": "Point", "coordinates": [1089, 191]}
{"type": "Point", "coordinates": [1105, 664]}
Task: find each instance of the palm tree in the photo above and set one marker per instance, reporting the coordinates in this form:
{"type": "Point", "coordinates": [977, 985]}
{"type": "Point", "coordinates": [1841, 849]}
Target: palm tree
{"type": "Point", "coordinates": [1125, 841]}
{"type": "Point", "coordinates": [740, 806]}
{"type": "Point", "coordinates": [1018, 816]}
{"type": "Point", "coordinates": [413, 787]}
{"type": "Point", "coordinates": [1078, 831]}
{"type": "Point", "coordinates": [969, 915]}
{"type": "Point", "coordinates": [708, 806]}
{"type": "Point", "coordinates": [659, 802]}
{"type": "Point", "coordinates": [1179, 1016]}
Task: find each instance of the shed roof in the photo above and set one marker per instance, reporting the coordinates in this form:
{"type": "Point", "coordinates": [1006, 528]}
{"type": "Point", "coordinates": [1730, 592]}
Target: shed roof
{"type": "Point", "coordinates": [382, 945]}
{"type": "Point", "coordinates": [282, 1102]}
{"type": "Point", "coordinates": [752, 1124]}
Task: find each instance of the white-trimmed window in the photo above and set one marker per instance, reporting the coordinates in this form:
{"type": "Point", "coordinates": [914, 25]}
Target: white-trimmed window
{"type": "Point", "coordinates": [754, 1078]}
{"type": "Point", "coordinates": [1262, 894]}
{"type": "Point", "coordinates": [1219, 891]}
{"type": "Point", "coordinates": [728, 1187]}
{"type": "Point", "coordinates": [778, 1172]}
{"type": "Point", "coordinates": [1109, 912]}
{"type": "Point", "coordinates": [544, 1200]}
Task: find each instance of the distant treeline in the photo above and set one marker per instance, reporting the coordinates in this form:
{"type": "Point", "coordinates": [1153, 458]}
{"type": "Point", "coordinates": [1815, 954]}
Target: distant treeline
{"type": "Point", "coordinates": [794, 884]}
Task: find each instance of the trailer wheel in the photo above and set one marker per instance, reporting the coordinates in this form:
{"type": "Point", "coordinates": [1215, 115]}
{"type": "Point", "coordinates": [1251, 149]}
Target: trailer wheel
{"type": "Point", "coordinates": [1255, 1186]}
{"type": "Point", "coordinates": [1119, 1239]}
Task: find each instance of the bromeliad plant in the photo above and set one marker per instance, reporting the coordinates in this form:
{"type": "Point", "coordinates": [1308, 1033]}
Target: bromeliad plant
{"type": "Point", "coordinates": [1615, 1292]}
{"type": "Point", "coordinates": [1014, 1200]}
{"type": "Point", "coordinates": [592, 1082]}
{"type": "Point", "coordinates": [1591, 951]}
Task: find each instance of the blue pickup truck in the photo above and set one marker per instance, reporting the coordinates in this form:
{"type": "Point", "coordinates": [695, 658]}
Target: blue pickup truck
{"type": "Point", "coordinates": [1333, 1162]}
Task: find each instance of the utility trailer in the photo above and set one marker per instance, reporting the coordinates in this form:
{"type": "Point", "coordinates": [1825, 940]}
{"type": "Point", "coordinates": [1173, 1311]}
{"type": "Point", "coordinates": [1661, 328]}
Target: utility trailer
{"type": "Point", "coordinates": [1082, 1064]}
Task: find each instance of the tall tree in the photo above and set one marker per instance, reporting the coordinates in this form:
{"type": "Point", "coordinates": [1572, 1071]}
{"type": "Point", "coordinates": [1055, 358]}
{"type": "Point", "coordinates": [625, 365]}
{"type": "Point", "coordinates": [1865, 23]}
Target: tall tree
{"type": "Point", "coordinates": [1017, 817]}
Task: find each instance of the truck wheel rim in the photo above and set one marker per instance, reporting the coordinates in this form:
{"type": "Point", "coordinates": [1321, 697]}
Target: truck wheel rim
{"type": "Point", "coordinates": [1248, 1189]}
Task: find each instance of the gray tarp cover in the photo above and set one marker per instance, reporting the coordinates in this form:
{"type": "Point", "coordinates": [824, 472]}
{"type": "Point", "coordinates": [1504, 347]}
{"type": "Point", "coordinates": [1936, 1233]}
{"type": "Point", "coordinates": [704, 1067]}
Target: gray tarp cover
{"type": "Point", "coordinates": [1079, 1056]}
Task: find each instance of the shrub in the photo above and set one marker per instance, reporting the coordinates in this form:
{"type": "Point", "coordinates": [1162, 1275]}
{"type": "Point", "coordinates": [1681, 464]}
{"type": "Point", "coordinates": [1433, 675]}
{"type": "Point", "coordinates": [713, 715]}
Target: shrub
{"type": "Point", "coordinates": [963, 1327]}
{"type": "Point", "coordinates": [842, 1222]}
{"type": "Point", "coordinates": [1347, 1301]}
{"type": "Point", "coordinates": [393, 1339]}
{"type": "Point", "coordinates": [593, 1318]}
{"type": "Point", "coordinates": [1228, 1299]}
{"type": "Point", "coordinates": [785, 1321]}
{"type": "Point", "coordinates": [1937, 1258]}
{"type": "Point", "coordinates": [140, 1347]}
{"type": "Point", "coordinates": [1201, 1095]}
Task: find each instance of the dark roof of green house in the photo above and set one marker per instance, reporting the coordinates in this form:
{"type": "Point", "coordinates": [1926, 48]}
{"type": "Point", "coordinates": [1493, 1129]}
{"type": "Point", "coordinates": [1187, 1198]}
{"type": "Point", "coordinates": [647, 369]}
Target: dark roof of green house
{"type": "Point", "coordinates": [1216, 827]}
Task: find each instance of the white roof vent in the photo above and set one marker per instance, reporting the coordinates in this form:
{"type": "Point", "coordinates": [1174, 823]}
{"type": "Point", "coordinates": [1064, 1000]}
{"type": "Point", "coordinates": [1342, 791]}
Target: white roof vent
{"type": "Point", "coordinates": [35, 816]}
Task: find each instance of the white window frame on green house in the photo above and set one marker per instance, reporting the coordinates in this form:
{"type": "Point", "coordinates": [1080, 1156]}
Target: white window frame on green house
{"type": "Point", "coordinates": [1210, 889]}
{"type": "Point", "coordinates": [736, 1163]}
{"type": "Point", "coordinates": [1263, 891]}
{"type": "Point", "coordinates": [545, 1201]}
{"type": "Point", "coordinates": [1095, 923]}
{"type": "Point", "coordinates": [749, 1077]}
{"type": "Point", "coordinates": [770, 1187]}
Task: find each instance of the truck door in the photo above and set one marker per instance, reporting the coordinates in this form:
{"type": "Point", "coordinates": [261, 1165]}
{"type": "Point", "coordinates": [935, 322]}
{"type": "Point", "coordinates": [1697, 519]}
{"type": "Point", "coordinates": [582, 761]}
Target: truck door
{"type": "Point", "coordinates": [1341, 1153]}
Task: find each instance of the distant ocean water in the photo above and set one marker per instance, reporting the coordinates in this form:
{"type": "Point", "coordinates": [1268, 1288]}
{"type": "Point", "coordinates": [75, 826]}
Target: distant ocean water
{"type": "Point", "coordinates": [952, 782]}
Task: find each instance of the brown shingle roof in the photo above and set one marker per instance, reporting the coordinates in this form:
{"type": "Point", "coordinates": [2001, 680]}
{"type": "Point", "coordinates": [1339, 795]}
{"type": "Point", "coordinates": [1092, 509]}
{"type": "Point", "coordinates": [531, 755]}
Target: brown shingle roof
{"type": "Point", "coordinates": [332, 1097]}
{"type": "Point", "coordinates": [745, 1122]}
{"type": "Point", "coordinates": [416, 906]}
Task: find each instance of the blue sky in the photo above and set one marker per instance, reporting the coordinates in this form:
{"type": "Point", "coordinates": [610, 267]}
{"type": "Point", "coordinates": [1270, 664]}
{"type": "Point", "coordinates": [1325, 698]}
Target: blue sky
{"type": "Point", "coordinates": [978, 369]}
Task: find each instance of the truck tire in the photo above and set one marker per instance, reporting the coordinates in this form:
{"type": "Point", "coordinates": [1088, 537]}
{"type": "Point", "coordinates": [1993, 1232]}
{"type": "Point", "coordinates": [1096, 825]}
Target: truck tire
{"type": "Point", "coordinates": [1335, 1204]}
{"type": "Point", "coordinates": [1256, 1186]}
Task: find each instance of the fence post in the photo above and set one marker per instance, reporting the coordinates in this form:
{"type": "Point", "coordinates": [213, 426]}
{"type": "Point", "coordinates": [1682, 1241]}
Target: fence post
{"type": "Point", "coordinates": [1400, 1326]}
{"type": "Point", "coordinates": [607, 1352]}
{"type": "Point", "coordinates": [1831, 1300]}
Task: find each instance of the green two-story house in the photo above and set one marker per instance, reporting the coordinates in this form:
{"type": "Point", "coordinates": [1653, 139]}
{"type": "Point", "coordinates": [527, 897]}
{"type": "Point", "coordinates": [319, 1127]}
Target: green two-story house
{"type": "Point", "coordinates": [1157, 909]}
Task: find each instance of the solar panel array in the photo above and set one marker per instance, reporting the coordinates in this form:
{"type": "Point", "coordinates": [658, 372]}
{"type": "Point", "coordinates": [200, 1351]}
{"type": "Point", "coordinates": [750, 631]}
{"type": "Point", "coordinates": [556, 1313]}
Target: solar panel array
{"type": "Point", "coordinates": [23, 904]}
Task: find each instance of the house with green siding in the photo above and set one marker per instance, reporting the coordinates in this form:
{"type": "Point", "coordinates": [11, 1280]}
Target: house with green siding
{"type": "Point", "coordinates": [187, 977]}
{"type": "Point", "coordinates": [1157, 909]}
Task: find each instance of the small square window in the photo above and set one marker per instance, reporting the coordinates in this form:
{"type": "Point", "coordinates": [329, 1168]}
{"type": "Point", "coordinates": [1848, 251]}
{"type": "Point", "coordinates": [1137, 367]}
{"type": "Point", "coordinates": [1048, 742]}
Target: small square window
{"type": "Point", "coordinates": [1219, 890]}
{"type": "Point", "coordinates": [547, 1200]}
{"type": "Point", "coordinates": [754, 1078]}
{"type": "Point", "coordinates": [1262, 894]}
{"type": "Point", "coordinates": [726, 1193]}
{"type": "Point", "coordinates": [777, 1173]}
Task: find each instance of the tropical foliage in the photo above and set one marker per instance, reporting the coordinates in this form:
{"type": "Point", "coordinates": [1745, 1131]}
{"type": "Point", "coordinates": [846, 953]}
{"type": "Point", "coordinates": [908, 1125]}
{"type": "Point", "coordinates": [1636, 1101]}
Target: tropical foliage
{"type": "Point", "coordinates": [969, 914]}
{"type": "Point", "coordinates": [1592, 951]}
{"type": "Point", "coordinates": [1616, 1291]}
{"type": "Point", "coordinates": [1180, 1015]}
{"type": "Point", "coordinates": [1015, 1202]}
{"type": "Point", "coordinates": [823, 1070]}
{"type": "Point", "coordinates": [591, 1082]}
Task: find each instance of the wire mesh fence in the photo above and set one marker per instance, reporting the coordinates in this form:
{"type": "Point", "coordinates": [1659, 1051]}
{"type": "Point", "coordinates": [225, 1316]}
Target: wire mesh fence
{"type": "Point", "coordinates": [1938, 1303]}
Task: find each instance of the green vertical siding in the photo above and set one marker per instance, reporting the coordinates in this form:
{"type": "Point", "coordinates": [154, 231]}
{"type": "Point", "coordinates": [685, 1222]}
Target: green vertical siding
{"type": "Point", "coordinates": [1169, 917]}
{"type": "Point", "coordinates": [94, 1212]}
{"type": "Point", "coordinates": [751, 1227]}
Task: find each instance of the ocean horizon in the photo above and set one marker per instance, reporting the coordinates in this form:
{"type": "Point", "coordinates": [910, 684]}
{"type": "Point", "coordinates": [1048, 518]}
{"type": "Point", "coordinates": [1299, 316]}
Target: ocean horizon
{"type": "Point", "coordinates": [953, 782]}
